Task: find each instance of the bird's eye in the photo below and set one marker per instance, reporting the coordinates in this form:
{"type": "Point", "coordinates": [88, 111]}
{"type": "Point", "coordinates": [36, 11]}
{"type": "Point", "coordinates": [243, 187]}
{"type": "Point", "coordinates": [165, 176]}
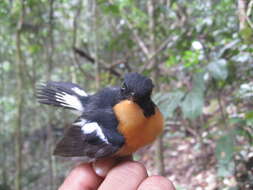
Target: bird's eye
{"type": "Point", "coordinates": [123, 87]}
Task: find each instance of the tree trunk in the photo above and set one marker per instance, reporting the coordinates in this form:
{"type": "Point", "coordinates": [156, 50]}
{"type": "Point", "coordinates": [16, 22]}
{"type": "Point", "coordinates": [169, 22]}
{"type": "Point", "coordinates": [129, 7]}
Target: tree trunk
{"type": "Point", "coordinates": [95, 42]}
{"type": "Point", "coordinates": [242, 14]}
{"type": "Point", "coordinates": [19, 98]}
{"type": "Point", "coordinates": [159, 160]}
{"type": "Point", "coordinates": [3, 129]}
{"type": "Point", "coordinates": [51, 161]}
{"type": "Point", "coordinates": [74, 38]}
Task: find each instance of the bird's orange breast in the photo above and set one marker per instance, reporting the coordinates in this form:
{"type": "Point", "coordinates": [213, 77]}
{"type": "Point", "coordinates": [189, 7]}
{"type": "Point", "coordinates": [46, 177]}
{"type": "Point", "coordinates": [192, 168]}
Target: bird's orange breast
{"type": "Point", "coordinates": [137, 129]}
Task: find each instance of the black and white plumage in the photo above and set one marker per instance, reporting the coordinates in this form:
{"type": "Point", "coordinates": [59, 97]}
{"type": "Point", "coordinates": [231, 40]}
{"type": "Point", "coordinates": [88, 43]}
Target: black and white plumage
{"type": "Point", "coordinates": [95, 129]}
{"type": "Point", "coordinates": [63, 94]}
{"type": "Point", "coordinates": [103, 128]}
{"type": "Point", "coordinates": [85, 134]}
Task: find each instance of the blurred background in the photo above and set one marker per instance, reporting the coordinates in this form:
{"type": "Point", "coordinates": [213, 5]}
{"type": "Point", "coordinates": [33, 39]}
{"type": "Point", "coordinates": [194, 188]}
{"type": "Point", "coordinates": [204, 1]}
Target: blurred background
{"type": "Point", "coordinates": [199, 54]}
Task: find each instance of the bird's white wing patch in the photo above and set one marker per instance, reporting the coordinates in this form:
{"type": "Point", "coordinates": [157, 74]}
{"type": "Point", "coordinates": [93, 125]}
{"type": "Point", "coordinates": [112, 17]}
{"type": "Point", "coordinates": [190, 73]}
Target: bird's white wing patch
{"type": "Point", "coordinates": [70, 101]}
{"type": "Point", "coordinates": [90, 127]}
{"type": "Point", "coordinates": [80, 122]}
{"type": "Point", "coordinates": [94, 127]}
{"type": "Point", "coordinates": [79, 91]}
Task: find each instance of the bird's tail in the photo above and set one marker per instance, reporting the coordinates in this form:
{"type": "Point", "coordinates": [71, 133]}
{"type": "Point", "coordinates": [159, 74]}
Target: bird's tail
{"type": "Point", "coordinates": [63, 94]}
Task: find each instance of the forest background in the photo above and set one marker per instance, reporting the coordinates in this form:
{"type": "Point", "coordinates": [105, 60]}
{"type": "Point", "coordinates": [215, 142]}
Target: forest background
{"type": "Point", "coordinates": [199, 54]}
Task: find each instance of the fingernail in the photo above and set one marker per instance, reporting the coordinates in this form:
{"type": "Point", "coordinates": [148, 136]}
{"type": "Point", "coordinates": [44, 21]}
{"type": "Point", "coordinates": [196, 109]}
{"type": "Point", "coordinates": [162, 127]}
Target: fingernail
{"type": "Point", "coordinates": [99, 171]}
{"type": "Point", "coordinates": [102, 167]}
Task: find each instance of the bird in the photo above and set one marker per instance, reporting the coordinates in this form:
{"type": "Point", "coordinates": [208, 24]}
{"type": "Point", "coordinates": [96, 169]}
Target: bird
{"type": "Point", "coordinates": [114, 122]}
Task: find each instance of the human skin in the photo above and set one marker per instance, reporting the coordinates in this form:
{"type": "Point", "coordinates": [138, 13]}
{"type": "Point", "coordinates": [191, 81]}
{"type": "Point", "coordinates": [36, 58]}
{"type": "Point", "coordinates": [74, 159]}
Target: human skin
{"type": "Point", "coordinates": [126, 174]}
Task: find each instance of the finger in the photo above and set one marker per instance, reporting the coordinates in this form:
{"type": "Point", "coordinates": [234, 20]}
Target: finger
{"type": "Point", "coordinates": [127, 175]}
{"type": "Point", "coordinates": [80, 178]}
{"type": "Point", "coordinates": [102, 167]}
{"type": "Point", "coordinates": [156, 183]}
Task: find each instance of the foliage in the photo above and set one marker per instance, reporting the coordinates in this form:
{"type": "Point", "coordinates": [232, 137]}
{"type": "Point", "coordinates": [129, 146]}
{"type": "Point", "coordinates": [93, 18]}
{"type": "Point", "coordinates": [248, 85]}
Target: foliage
{"type": "Point", "coordinates": [196, 51]}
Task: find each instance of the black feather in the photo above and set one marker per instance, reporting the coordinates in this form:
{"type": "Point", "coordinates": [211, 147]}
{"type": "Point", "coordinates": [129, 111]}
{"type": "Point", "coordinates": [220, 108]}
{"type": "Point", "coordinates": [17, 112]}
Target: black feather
{"type": "Point", "coordinates": [76, 143]}
{"type": "Point", "coordinates": [54, 93]}
{"type": "Point", "coordinates": [97, 108]}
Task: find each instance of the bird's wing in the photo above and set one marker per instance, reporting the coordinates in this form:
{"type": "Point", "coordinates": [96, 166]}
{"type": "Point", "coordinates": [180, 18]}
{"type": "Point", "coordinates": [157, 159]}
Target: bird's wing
{"type": "Point", "coordinates": [87, 139]}
{"type": "Point", "coordinates": [63, 94]}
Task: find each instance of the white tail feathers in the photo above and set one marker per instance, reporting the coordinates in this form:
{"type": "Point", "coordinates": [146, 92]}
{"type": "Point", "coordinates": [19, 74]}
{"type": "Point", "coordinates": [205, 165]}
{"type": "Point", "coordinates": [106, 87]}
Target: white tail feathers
{"type": "Point", "coordinates": [67, 100]}
{"type": "Point", "coordinates": [63, 94]}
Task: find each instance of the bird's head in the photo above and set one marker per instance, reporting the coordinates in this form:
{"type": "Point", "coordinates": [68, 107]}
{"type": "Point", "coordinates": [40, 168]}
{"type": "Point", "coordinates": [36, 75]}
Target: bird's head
{"type": "Point", "coordinates": [136, 87]}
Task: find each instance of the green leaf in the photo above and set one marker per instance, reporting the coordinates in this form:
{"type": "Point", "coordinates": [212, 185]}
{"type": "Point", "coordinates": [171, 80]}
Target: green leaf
{"type": "Point", "coordinates": [225, 170]}
{"type": "Point", "coordinates": [6, 66]}
{"type": "Point", "coordinates": [172, 103]}
{"type": "Point", "coordinates": [190, 58]}
{"type": "Point", "coordinates": [218, 69]}
{"type": "Point", "coordinates": [249, 115]}
{"type": "Point", "coordinates": [168, 102]}
{"type": "Point", "coordinates": [225, 148]}
{"type": "Point", "coordinates": [172, 60]}
{"type": "Point", "coordinates": [224, 154]}
{"type": "Point", "coordinates": [194, 101]}
{"type": "Point", "coordinates": [193, 104]}
{"type": "Point", "coordinates": [33, 48]}
{"type": "Point", "coordinates": [113, 9]}
{"type": "Point", "coordinates": [198, 82]}
{"type": "Point", "coordinates": [242, 57]}
{"type": "Point", "coordinates": [227, 47]}
{"type": "Point", "coordinates": [124, 3]}
{"type": "Point", "coordinates": [247, 34]}
{"type": "Point", "coordinates": [249, 118]}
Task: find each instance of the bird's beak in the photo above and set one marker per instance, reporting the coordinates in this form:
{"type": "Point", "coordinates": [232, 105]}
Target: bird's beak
{"type": "Point", "coordinates": [132, 97]}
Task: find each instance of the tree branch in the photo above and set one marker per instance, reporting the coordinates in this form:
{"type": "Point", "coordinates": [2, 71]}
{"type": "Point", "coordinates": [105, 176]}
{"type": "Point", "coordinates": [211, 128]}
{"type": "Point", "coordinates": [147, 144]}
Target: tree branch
{"type": "Point", "coordinates": [242, 13]}
{"type": "Point", "coordinates": [249, 9]}
{"type": "Point", "coordinates": [19, 100]}
{"type": "Point", "coordinates": [84, 54]}
{"type": "Point", "coordinates": [140, 42]}
{"type": "Point", "coordinates": [103, 65]}
{"type": "Point", "coordinates": [75, 29]}
{"type": "Point", "coordinates": [95, 44]}
{"type": "Point", "coordinates": [169, 42]}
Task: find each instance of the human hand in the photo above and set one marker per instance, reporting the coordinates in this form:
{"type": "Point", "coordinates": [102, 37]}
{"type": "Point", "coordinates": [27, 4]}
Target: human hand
{"type": "Point", "coordinates": [126, 175]}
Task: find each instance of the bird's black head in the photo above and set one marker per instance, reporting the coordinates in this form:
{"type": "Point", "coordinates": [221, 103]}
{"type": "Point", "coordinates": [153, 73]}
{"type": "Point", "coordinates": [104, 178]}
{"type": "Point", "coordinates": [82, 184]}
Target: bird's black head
{"type": "Point", "coordinates": [138, 88]}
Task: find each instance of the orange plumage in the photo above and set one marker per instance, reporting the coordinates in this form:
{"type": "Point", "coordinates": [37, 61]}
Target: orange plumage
{"type": "Point", "coordinates": [115, 121]}
{"type": "Point", "coordinates": [137, 129]}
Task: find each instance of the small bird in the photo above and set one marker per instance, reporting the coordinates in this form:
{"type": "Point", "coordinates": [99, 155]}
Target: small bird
{"type": "Point", "coordinates": [115, 121]}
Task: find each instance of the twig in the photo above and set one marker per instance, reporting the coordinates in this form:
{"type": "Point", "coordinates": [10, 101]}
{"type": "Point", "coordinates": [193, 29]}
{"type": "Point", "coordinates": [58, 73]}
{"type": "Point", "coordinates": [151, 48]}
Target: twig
{"type": "Point", "coordinates": [84, 54]}
{"type": "Point", "coordinates": [118, 62]}
{"type": "Point", "coordinates": [92, 60]}
{"type": "Point", "coordinates": [248, 13]}
{"type": "Point", "coordinates": [94, 27]}
{"type": "Point", "coordinates": [75, 29]}
{"type": "Point", "coordinates": [249, 22]}
{"type": "Point", "coordinates": [140, 42]}
{"type": "Point", "coordinates": [250, 5]}
{"type": "Point", "coordinates": [129, 69]}
{"type": "Point", "coordinates": [223, 115]}
{"type": "Point", "coordinates": [241, 13]}
{"type": "Point", "coordinates": [169, 42]}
